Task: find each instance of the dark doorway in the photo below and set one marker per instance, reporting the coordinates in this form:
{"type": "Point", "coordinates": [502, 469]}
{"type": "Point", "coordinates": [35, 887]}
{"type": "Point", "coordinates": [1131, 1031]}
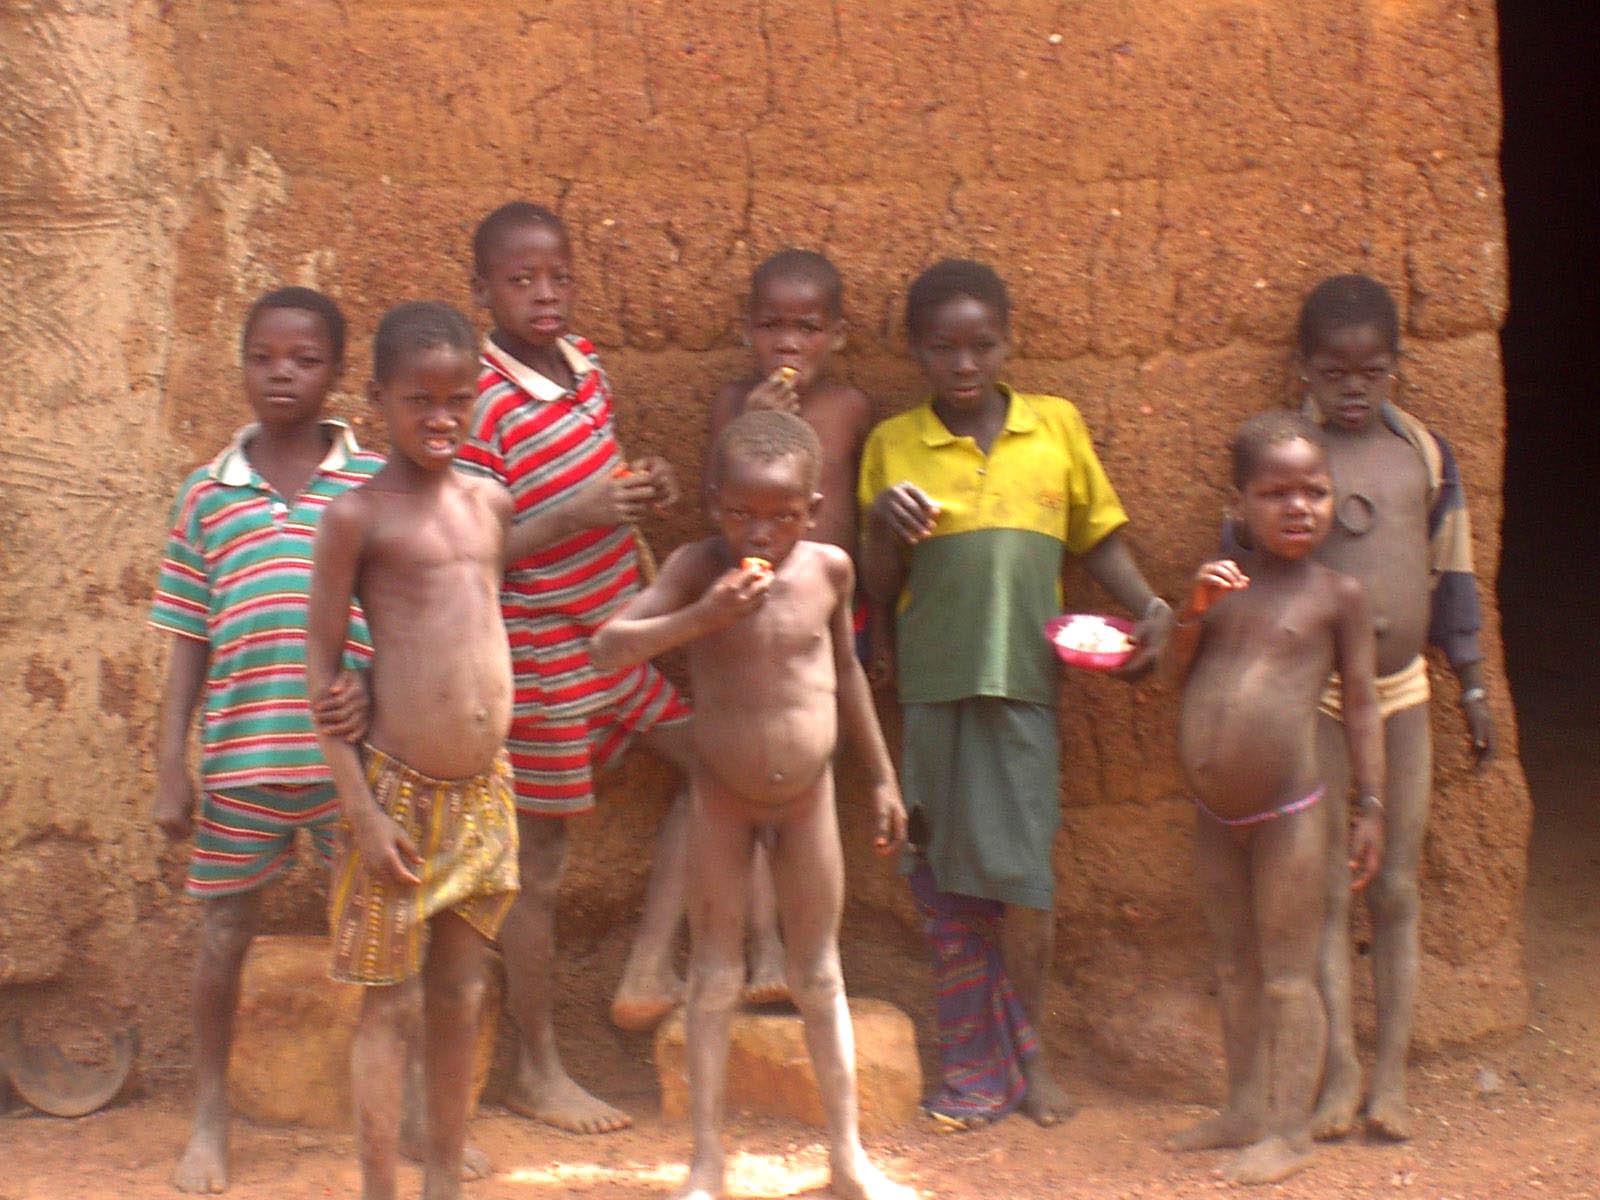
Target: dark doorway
{"type": "Point", "coordinates": [1549, 583]}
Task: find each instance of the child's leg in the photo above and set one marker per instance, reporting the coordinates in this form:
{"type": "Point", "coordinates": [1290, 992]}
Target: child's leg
{"type": "Point", "coordinates": [542, 1088]}
{"type": "Point", "coordinates": [227, 924]}
{"type": "Point", "coordinates": [765, 981]}
{"type": "Point", "coordinates": [377, 1068]}
{"type": "Point", "coordinates": [808, 877]}
{"type": "Point", "coordinates": [1222, 867]}
{"type": "Point", "coordinates": [650, 988]}
{"type": "Point", "coordinates": [1286, 852]}
{"type": "Point", "coordinates": [1394, 903]}
{"type": "Point", "coordinates": [719, 875]}
{"type": "Point", "coordinates": [1027, 946]}
{"type": "Point", "coordinates": [452, 1002]}
{"type": "Point", "coordinates": [1340, 1096]}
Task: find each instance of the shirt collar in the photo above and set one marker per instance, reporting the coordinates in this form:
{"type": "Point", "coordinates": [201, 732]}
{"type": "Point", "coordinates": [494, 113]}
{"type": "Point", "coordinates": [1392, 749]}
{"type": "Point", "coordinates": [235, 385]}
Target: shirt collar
{"type": "Point", "coordinates": [1020, 418]}
{"type": "Point", "coordinates": [540, 387]}
{"type": "Point", "coordinates": [232, 467]}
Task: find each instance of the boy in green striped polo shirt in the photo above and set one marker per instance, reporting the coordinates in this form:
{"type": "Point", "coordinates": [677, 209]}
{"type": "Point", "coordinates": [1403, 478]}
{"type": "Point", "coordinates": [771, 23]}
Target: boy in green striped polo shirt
{"type": "Point", "coordinates": [233, 592]}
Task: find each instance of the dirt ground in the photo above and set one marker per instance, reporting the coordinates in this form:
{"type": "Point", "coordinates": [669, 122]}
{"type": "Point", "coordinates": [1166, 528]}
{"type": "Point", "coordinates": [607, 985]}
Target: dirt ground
{"type": "Point", "coordinates": [1518, 1116]}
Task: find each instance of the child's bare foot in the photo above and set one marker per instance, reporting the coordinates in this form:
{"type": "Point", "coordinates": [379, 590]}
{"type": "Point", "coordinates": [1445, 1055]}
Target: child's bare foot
{"type": "Point", "coordinates": [1046, 1101]}
{"type": "Point", "coordinates": [643, 1002]}
{"type": "Point", "coordinates": [1228, 1128]}
{"type": "Point", "coordinates": [1389, 1116]}
{"type": "Point", "coordinates": [1335, 1115]}
{"type": "Point", "coordinates": [475, 1162]}
{"type": "Point", "coordinates": [704, 1182]}
{"type": "Point", "coordinates": [1267, 1161]}
{"type": "Point", "coordinates": [767, 984]}
{"type": "Point", "coordinates": [203, 1168]}
{"type": "Point", "coordinates": [853, 1177]}
{"type": "Point", "coordinates": [562, 1103]}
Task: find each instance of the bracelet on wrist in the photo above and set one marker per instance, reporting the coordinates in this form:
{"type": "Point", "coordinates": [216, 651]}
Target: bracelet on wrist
{"type": "Point", "coordinates": [1473, 694]}
{"type": "Point", "coordinates": [1370, 804]}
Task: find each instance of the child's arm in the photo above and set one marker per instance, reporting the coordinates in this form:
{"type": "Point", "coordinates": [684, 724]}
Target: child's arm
{"type": "Point", "coordinates": [1212, 581]}
{"type": "Point", "coordinates": [609, 499]}
{"type": "Point", "coordinates": [901, 515]}
{"type": "Point", "coordinates": [1110, 563]}
{"type": "Point", "coordinates": [186, 675]}
{"type": "Point", "coordinates": [669, 613]}
{"type": "Point", "coordinates": [859, 720]}
{"type": "Point", "coordinates": [1357, 648]}
{"type": "Point", "coordinates": [384, 848]}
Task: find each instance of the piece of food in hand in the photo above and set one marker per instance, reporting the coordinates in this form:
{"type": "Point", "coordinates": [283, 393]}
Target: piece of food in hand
{"type": "Point", "coordinates": [623, 471]}
{"type": "Point", "coordinates": [786, 374]}
{"type": "Point", "coordinates": [1089, 634]}
{"type": "Point", "coordinates": [755, 563]}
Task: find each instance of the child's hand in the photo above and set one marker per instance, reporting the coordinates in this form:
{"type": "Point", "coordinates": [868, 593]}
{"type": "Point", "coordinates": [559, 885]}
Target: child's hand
{"type": "Point", "coordinates": [1213, 581]}
{"type": "Point", "coordinates": [611, 499]}
{"type": "Point", "coordinates": [736, 594]}
{"type": "Point", "coordinates": [661, 476]}
{"type": "Point", "coordinates": [1149, 636]}
{"type": "Point", "coordinates": [385, 849]}
{"type": "Point", "coordinates": [173, 811]}
{"type": "Point", "coordinates": [1366, 848]}
{"type": "Point", "coordinates": [880, 658]}
{"type": "Point", "coordinates": [906, 511]}
{"type": "Point", "coordinates": [776, 391]}
{"type": "Point", "coordinates": [1480, 728]}
{"type": "Point", "coordinates": [343, 711]}
{"type": "Point", "coordinates": [889, 815]}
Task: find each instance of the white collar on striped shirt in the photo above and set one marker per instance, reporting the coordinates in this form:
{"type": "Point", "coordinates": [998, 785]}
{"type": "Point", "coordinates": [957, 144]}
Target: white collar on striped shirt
{"type": "Point", "coordinates": [232, 467]}
{"type": "Point", "coordinates": [540, 387]}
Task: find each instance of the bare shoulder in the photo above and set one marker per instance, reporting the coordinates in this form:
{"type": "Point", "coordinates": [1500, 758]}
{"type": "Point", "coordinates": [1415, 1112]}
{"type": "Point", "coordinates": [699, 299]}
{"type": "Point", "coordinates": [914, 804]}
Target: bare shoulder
{"type": "Point", "coordinates": [692, 562]}
{"type": "Point", "coordinates": [489, 492]}
{"type": "Point", "coordinates": [1345, 590]}
{"type": "Point", "coordinates": [349, 513]}
{"type": "Point", "coordinates": [843, 406]}
{"type": "Point", "coordinates": [833, 562]}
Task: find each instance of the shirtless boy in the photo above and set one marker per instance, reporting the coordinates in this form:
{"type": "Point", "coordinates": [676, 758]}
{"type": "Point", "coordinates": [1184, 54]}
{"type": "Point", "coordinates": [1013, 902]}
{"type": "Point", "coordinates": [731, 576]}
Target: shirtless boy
{"type": "Point", "coordinates": [1264, 633]}
{"type": "Point", "coordinates": [428, 863]}
{"type": "Point", "coordinates": [794, 325]}
{"type": "Point", "coordinates": [1400, 528]}
{"type": "Point", "coordinates": [765, 618]}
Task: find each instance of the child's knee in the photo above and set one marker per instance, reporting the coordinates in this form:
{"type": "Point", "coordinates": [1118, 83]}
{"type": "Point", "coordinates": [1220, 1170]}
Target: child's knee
{"type": "Point", "coordinates": [455, 991]}
{"type": "Point", "coordinates": [1393, 896]}
{"type": "Point", "coordinates": [816, 984]}
{"type": "Point", "coordinates": [541, 857]}
{"type": "Point", "coordinates": [1284, 988]}
{"type": "Point", "coordinates": [227, 926]}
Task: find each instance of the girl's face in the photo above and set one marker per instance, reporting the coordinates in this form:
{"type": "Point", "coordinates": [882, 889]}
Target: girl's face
{"type": "Point", "coordinates": [961, 348]}
{"type": "Point", "coordinates": [1287, 503]}
{"type": "Point", "coordinates": [1347, 374]}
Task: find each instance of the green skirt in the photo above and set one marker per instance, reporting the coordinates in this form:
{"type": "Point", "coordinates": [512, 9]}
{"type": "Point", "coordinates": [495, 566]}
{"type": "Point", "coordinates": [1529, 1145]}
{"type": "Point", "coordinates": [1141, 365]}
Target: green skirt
{"type": "Point", "coordinates": [984, 772]}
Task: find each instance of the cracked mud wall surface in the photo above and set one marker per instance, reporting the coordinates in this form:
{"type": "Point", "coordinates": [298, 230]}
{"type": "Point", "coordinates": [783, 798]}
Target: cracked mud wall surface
{"type": "Point", "coordinates": [1159, 183]}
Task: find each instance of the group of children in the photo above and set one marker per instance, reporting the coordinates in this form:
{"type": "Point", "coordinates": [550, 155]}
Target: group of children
{"type": "Point", "coordinates": [425, 660]}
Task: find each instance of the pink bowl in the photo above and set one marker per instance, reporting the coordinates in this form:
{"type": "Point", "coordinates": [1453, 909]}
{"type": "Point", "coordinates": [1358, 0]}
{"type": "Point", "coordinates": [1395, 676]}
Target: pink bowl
{"type": "Point", "coordinates": [1086, 659]}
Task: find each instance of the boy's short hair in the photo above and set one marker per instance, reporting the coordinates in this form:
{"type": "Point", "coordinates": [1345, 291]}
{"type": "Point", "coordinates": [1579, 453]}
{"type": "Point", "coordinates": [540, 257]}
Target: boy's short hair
{"type": "Point", "coordinates": [1342, 301]}
{"type": "Point", "coordinates": [519, 214]}
{"type": "Point", "coordinates": [806, 266]}
{"type": "Point", "coordinates": [301, 299]}
{"type": "Point", "coordinates": [765, 435]}
{"type": "Point", "coordinates": [419, 325]}
{"type": "Point", "coordinates": [1275, 427]}
{"type": "Point", "coordinates": [946, 280]}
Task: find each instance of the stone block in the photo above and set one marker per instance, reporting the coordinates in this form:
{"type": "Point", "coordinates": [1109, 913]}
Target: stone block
{"type": "Point", "coordinates": [769, 1070]}
{"type": "Point", "coordinates": [291, 1054]}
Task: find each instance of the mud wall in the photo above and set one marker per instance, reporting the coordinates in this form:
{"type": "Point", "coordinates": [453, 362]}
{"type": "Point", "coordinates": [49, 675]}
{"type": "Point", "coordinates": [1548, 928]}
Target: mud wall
{"type": "Point", "coordinates": [1159, 182]}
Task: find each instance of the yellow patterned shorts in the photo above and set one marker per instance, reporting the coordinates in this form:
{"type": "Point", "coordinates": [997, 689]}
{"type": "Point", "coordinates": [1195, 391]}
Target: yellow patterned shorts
{"type": "Point", "coordinates": [466, 832]}
{"type": "Point", "coordinates": [1406, 688]}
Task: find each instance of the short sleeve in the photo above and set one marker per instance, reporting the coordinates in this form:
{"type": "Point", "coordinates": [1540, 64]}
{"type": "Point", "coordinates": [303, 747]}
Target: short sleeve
{"type": "Point", "coordinates": [182, 603]}
{"type": "Point", "coordinates": [1093, 510]}
{"type": "Point", "coordinates": [483, 454]}
{"type": "Point", "coordinates": [872, 477]}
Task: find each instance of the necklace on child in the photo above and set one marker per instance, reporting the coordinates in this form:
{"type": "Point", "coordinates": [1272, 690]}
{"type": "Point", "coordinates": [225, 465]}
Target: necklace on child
{"type": "Point", "coordinates": [1356, 513]}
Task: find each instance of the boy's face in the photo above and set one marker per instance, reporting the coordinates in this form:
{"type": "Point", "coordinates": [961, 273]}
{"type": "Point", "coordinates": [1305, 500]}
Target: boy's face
{"type": "Point", "coordinates": [527, 286]}
{"type": "Point", "coordinates": [289, 366]}
{"type": "Point", "coordinates": [791, 326]}
{"type": "Point", "coordinates": [1287, 503]}
{"type": "Point", "coordinates": [961, 349]}
{"type": "Point", "coordinates": [1348, 375]}
{"type": "Point", "coordinates": [427, 404]}
{"type": "Point", "coordinates": [763, 509]}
